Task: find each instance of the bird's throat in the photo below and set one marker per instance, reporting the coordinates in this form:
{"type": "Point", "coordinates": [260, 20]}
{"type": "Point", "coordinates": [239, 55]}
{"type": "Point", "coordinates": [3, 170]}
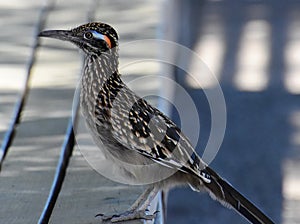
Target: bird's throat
{"type": "Point", "coordinates": [97, 70]}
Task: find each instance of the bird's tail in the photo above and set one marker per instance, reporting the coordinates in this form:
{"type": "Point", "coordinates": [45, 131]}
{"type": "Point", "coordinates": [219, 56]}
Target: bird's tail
{"type": "Point", "coordinates": [228, 196]}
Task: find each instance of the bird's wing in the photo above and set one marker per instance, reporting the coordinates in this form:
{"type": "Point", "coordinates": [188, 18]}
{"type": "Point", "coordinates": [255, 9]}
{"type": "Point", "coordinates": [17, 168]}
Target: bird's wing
{"type": "Point", "coordinates": [148, 131]}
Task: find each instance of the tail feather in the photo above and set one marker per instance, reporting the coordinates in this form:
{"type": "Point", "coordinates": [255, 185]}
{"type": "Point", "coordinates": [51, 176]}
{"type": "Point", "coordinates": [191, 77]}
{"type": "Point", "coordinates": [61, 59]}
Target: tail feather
{"type": "Point", "coordinates": [227, 195]}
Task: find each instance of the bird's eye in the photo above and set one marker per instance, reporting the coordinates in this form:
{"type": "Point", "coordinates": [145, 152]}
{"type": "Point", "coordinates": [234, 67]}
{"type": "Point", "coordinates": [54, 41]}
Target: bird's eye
{"type": "Point", "coordinates": [88, 35]}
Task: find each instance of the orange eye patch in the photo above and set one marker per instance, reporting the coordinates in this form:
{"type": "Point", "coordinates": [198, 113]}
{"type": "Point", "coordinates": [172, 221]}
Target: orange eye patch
{"type": "Point", "coordinates": [107, 40]}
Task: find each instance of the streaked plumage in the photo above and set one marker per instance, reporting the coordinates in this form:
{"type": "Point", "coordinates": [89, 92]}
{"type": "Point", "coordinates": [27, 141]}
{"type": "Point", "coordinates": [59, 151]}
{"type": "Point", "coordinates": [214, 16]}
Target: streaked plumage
{"type": "Point", "coordinates": [135, 132]}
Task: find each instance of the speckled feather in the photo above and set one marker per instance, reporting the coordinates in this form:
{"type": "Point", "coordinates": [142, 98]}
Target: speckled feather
{"type": "Point", "coordinates": [130, 130]}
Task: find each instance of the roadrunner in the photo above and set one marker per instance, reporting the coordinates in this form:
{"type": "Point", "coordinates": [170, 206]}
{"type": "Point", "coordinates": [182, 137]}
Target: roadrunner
{"type": "Point", "coordinates": [135, 135]}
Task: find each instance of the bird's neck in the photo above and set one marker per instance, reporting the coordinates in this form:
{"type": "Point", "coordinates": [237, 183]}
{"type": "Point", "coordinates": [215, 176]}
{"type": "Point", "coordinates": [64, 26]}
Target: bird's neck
{"type": "Point", "coordinates": [100, 76]}
{"type": "Point", "coordinates": [98, 72]}
{"type": "Point", "coordinates": [98, 69]}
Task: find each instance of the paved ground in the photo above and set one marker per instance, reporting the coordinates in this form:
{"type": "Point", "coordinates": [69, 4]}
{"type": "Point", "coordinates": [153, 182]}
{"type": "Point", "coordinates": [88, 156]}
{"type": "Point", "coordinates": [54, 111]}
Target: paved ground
{"type": "Point", "coordinates": [252, 48]}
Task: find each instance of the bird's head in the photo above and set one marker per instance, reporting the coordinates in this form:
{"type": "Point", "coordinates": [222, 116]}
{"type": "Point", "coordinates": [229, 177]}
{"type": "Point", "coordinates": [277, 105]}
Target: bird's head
{"type": "Point", "coordinates": [93, 38]}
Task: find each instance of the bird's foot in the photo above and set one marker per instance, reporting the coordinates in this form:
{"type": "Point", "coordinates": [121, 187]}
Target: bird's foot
{"type": "Point", "coordinates": [128, 215]}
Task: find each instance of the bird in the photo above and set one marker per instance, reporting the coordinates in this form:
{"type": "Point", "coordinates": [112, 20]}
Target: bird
{"type": "Point", "coordinates": [145, 144]}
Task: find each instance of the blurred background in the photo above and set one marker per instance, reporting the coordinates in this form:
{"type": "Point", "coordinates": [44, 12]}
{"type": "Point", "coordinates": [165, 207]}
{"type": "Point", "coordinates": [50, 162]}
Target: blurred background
{"type": "Point", "coordinates": [252, 47]}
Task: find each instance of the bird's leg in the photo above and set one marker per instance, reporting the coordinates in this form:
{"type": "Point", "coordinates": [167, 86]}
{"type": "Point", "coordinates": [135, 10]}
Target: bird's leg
{"type": "Point", "coordinates": [141, 199]}
{"type": "Point", "coordinates": [148, 200]}
{"type": "Point", "coordinates": [138, 209]}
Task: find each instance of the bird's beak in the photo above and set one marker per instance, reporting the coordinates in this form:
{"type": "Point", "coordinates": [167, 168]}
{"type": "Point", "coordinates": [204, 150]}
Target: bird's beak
{"type": "Point", "coordinates": [58, 34]}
